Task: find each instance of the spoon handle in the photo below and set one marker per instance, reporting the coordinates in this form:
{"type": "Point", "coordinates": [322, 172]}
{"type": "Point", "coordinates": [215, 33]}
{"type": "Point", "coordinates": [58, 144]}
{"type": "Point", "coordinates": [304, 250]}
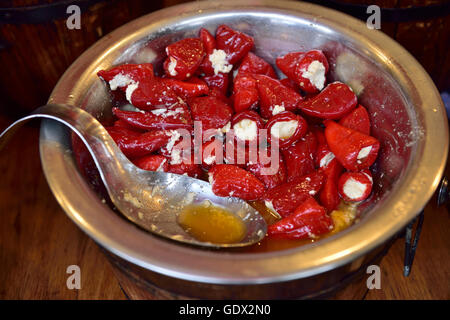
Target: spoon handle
{"type": "Point", "coordinates": [107, 156]}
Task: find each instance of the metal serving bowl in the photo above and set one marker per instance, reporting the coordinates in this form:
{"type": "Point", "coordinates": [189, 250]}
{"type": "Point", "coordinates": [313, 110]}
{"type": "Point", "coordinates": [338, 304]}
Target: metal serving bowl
{"type": "Point", "coordinates": [406, 111]}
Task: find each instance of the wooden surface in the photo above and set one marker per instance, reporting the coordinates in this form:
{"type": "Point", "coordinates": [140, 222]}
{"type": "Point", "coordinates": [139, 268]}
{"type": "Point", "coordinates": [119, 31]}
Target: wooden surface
{"type": "Point", "coordinates": [38, 242]}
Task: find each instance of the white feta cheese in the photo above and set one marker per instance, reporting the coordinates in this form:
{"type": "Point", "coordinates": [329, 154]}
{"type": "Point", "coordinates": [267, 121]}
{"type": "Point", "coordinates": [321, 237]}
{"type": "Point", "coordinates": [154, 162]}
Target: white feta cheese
{"type": "Point", "coordinates": [175, 156]}
{"type": "Point", "coordinates": [130, 89]}
{"type": "Point", "coordinates": [171, 67]}
{"type": "Point", "coordinates": [174, 136]}
{"type": "Point", "coordinates": [326, 159]}
{"type": "Point", "coordinates": [284, 129]}
{"type": "Point", "coordinates": [219, 61]}
{"type": "Point", "coordinates": [277, 109]}
{"type": "Point", "coordinates": [120, 80]}
{"type": "Point", "coordinates": [246, 129]}
{"type": "Point", "coordinates": [316, 74]}
{"type": "Point", "coordinates": [364, 152]}
{"type": "Point", "coordinates": [354, 189]}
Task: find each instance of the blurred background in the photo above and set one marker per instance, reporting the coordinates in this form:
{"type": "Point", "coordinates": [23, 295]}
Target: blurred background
{"type": "Point", "coordinates": [36, 47]}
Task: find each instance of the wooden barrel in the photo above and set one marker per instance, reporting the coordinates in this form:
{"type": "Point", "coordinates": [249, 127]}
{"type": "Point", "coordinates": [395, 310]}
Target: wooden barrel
{"type": "Point", "coordinates": [36, 47]}
{"type": "Point", "coordinates": [421, 26]}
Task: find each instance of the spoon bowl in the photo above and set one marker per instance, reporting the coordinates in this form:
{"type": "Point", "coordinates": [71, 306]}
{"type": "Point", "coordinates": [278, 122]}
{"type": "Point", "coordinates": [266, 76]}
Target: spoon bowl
{"type": "Point", "coordinates": [152, 200]}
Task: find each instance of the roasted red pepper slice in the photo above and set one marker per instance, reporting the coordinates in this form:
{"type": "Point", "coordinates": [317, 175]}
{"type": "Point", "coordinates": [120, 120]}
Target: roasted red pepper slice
{"type": "Point", "coordinates": [336, 100]}
{"type": "Point", "coordinates": [153, 162]}
{"type": "Point", "coordinates": [353, 149]}
{"type": "Point", "coordinates": [212, 153]}
{"type": "Point", "coordinates": [272, 173]}
{"type": "Point", "coordinates": [165, 118]}
{"type": "Point", "coordinates": [307, 69]}
{"type": "Point", "coordinates": [355, 186]}
{"type": "Point", "coordinates": [299, 157]}
{"type": "Point", "coordinates": [123, 124]}
{"type": "Point", "coordinates": [231, 181]}
{"type": "Point", "coordinates": [235, 44]}
{"type": "Point", "coordinates": [136, 145]}
{"type": "Point", "coordinates": [245, 92]}
{"type": "Point", "coordinates": [214, 92]}
{"type": "Point", "coordinates": [219, 81]}
{"type": "Point", "coordinates": [272, 93]}
{"type": "Point", "coordinates": [212, 112]}
{"type": "Point", "coordinates": [285, 198]}
{"type": "Point", "coordinates": [308, 221]}
{"type": "Point", "coordinates": [287, 127]}
{"type": "Point", "coordinates": [184, 57]}
{"type": "Point", "coordinates": [246, 125]}
{"type": "Point", "coordinates": [187, 89]}
{"type": "Point", "coordinates": [256, 65]}
{"type": "Point", "coordinates": [357, 120]}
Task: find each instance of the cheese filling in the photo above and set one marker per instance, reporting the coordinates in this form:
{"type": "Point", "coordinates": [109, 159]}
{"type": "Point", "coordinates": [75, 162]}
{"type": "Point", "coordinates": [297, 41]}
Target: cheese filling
{"type": "Point", "coordinates": [277, 109]}
{"type": "Point", "coordinates": [326, 159]}
{"type": "Point", "coordinates": [219, 61]}
{"type": "Point", "coordinates": [364, 152]}
{"type": "Point", "coordinates": [171, 67]}
{"type": "Point", "coordinates": [315, 74]}
{"type": "Point", "coordinates": [284, 129]}
{"type": "Point", "coordinates": [354, 189]}
{"type": "Point", "coordinates": [246, 129]}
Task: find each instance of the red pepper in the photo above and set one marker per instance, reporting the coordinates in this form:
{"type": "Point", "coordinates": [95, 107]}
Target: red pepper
{"type": "Point", "coordinates": [123, 124]}
{"type": "Point", "coordinates": [355, 186]}
{"type": "Point", "coordinates": [235, 44]}
{"type": "Point", "coordinates": [290, 84]}
{"type": "Point", "coordinates": [219, 81]}
{"type": "Point", "coordinates": [353, 149]}
{"type": "Point", "coordinates": [136, 72]}
{"type": "Point", "coordinates": [283, 118]}
{"type": "Point", "coordinates": [184, 57]}
{"type": "Point", "coordinates": [286, 197]}
{"type": "Point", "coordinates": [231, 181]}
{"type": "Point", "coordinates": [153, 93]}
{"type": "Point", "coordinates": [256, 65]}
{"type": "Point", "coordinates": [236, 153]}
{"type": "Point", "coordinates": [299, 157]}
{"type": "Point", "coordinates": [357, 120]}
{"type": "Point", "coordinates": [216, 93]}
{"type": "Point", "coordinates": [187, 89]}
{"type": "Point", "coordinates": [308, 221]}
{"type": "Point", "coordinates": [135, 145]}
{"type": "Point", "coordinates": [211, 112]}
{"type": "Point", "coordinates": [164, 118]}
{"type": "Point", "coordinates": [272, 93]}
{"type": "Point", "coordinates": [319, 134]}
{"type": "Point", "coordinates": [247, 119]}
{"type": "Point", "coordinates": [336, 100]}
{"type": "Point", "coordinates": [272, 174]}
{"type": "Point", "coordinates": [152, 162]}
{"type": "Point", "coordinates": [296, 66]}
{"type": "Point", "coordinates": [329, 195]}
{"type": "Point", "coordinates": [245, 92]}
{"type": "Point", "coordinates": [212, 153]}
{"type": "Point", "coordinates": [209, 43]}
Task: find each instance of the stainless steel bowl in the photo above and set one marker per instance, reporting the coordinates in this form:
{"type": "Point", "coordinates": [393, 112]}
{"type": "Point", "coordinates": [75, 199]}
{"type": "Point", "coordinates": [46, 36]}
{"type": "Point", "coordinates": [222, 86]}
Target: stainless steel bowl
{"type": "Point", "coordinates": [406, 111]}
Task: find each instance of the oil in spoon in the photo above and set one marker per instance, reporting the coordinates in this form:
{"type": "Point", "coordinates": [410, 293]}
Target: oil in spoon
{"type": "Point", "coordinates": [213, 224]}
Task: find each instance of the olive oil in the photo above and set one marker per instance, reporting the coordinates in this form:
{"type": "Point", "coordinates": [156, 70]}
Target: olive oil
{"type": "Point", "coordinates": [213, 224]}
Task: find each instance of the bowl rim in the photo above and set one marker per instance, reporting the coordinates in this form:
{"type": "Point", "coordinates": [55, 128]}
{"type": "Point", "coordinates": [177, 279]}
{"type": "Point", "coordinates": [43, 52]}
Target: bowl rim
{"type": "Point", "coordinates": [123, 239]}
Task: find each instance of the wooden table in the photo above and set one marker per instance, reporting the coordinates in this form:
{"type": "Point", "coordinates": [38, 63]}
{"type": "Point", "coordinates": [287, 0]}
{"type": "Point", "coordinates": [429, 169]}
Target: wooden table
{"type": "Point", "coordinates": [38, 242]}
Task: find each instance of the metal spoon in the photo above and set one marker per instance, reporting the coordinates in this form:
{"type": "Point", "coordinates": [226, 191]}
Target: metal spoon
{"type": "Point", "coordinates": [150, 199]}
